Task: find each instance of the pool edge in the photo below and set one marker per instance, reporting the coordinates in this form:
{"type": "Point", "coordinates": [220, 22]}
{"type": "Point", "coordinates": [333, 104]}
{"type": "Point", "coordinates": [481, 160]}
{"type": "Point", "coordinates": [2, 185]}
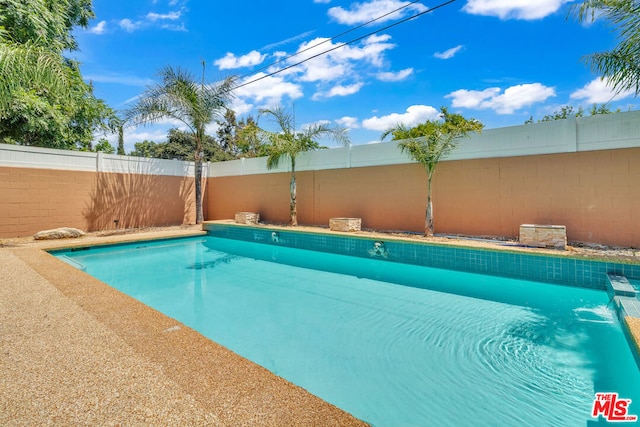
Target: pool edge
{"type": "Point", "coordinates": [233, 388]}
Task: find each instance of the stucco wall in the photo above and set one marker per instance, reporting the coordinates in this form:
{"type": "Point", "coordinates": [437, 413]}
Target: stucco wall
{"type": "Point", "coordinates": [596, 194]}
{"type": "Point", "coordinates": [34, 199]}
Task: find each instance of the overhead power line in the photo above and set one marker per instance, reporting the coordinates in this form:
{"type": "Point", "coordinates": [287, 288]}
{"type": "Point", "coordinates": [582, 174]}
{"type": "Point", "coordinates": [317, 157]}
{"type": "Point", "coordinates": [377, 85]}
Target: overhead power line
{"type": "Point", "coordinates": [330, 39]}
{"type": "Point", "coordinates": [345, 43]}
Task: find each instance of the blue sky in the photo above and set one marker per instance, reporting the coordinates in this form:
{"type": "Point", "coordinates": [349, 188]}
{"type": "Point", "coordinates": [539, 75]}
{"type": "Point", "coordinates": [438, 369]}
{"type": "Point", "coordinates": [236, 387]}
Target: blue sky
{"type": "Point", "coordinates": [499, 61]}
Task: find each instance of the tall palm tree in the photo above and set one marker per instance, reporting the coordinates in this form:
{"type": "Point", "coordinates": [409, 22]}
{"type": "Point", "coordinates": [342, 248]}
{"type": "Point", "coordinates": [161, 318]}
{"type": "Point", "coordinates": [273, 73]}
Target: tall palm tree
{"type": "Point", "coordinates": [429, 142]}
{"type": "Point", "coordinates": [180, 96]}
{"type": "Point", "coordinates": [621, 65]}
{"type": "Point", "coordinates": [288, 142]}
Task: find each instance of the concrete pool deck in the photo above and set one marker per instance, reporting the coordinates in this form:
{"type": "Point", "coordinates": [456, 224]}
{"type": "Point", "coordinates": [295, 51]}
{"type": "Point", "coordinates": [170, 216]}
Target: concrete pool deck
{"type": "Point", "coordinates": [75, 351]}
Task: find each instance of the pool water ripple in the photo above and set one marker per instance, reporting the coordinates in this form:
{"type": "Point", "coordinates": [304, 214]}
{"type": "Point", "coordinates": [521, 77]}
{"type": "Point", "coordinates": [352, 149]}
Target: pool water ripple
{"type": "Point", "coordinates": [430, 347]}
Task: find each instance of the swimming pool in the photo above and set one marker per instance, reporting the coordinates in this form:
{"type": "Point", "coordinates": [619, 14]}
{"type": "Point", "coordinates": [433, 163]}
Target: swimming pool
{"type": "Point", "coordinates": [392, 343]}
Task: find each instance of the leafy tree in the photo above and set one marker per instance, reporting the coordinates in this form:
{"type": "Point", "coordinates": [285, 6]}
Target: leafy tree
{"type": "Point", "coordinates": [182, 145]}
{"type": "Point", "coordinates": [248, 139]}
{"type": "Point", "coordinates": [43, 99]}
{"type": "Point", "coordinates": [226, 133]}
{"type": "Point", "coordinates": [180, 97]}
{"type": "Point", "coordinates": [621, 65]}
{"type": "Point", "coordinates": [601, 109]}
{"type": "Point", "coordinates": [145, 149]}
{"type": "Point", "coordinates": [25, 66]}
{"type": "Point", "coordinates": [428, 142]}
{"type": "Point", "coordinates": [49, 23]}
{"type": "Point", "coordinates": [289, 143]}
{"type": "Point", "coordinates": [568, 111]}
{"type": "Point", "coordinates": [104, 146]}
{"type": "Point", "coordinates": [38, 117]}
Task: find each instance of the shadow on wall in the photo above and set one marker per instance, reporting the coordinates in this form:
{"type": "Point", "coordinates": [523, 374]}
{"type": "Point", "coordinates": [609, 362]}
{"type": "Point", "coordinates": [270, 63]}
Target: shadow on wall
{"type": "Point", "coordinates": [136, 200]}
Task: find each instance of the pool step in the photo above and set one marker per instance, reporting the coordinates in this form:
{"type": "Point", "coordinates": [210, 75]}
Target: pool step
{"type": "Point", "coordinates": [627, 306]}
{"type": "Point", "coordinates": [73, 262]}
{"type": "Point", "coordinates": [618, 285]}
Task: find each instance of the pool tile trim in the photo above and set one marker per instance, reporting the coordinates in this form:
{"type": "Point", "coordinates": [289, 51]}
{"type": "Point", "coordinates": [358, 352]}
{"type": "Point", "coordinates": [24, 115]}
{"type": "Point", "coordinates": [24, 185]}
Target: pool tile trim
{"type": "Point", "coordinates": [563, 270]}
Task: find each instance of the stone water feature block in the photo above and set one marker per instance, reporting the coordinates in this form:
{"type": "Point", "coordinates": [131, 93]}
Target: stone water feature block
{"type": "Point", "coordinates": [345, 224]}
{"type": "Point", "coordinates": [543, 236]}
{"type": "Point", "coordinates": [247, 217]}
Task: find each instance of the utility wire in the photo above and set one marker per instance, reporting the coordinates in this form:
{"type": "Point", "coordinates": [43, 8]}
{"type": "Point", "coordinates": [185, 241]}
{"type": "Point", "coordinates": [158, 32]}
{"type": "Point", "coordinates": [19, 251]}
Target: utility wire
{"type": "Point", "coordinates": [346, 43]}
{"type": "Point", "coordinates": [330, 39]}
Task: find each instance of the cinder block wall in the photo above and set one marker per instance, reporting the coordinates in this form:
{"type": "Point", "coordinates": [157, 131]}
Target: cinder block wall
{"type": "Point", "coordinates": [33, 199]}
{"type": "Point", "coordinates": [596, 194]}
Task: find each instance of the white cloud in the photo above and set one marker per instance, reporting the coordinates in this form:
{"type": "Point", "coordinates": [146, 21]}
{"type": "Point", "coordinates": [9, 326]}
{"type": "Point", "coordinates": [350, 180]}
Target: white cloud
{"type": "Point", "coordinates": [414, 115]}
{"type": "Point", "coordinates": [339, 90]}
{"type": "Point", "coordinates": [269, 90]}
{"type": "Point", "coordinates": [338, 63]}
{"type": "Point", "coordinates": [128, 25]}
{"type": "Point", "coordinates": [348, 122]}
{"type": "Point", "coordinates": [600, 91]}
{"type": "Point", "coordinates": [241, 106]}
{"type": "Point", "coordinates": [449, 53]}
{"type": "Point", "coordinates": [360, 13]}
{"type": "Point", "coordinates": [513, 98]}
{"type": "Point", "coordinates": [172, 16]}
{"type": "Point", "coordinates": [165, 21]}
{"type": "Point", "coordinates": [514, 9]}
{"type": "Point", "coordinates": [394, 77]}
{"type": "Point", "coordinates": [472, 98]}
{"type": "Point", "coordinates": [100, 28]}
{"type": "Point", "coordinates": [230, 61]}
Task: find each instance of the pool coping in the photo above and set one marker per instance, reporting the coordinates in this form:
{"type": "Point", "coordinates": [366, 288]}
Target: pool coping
{"type": "Point", "coordinates": [231, 389]}
{"type": "Point", "coordinates": [201, 382]}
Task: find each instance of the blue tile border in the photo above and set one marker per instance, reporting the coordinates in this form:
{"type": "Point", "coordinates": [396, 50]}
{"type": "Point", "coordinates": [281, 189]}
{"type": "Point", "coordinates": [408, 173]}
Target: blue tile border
{"type": "Point", "coordinates": [537, 267]}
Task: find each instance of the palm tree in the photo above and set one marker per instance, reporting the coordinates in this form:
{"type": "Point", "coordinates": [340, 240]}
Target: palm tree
{"type": "Point", "coordinates": [180, 97]}
{"type": "Point", "coordinates": [429, 142]}
{"type": "Point", "coordinates": [621, 65]}
{"type": "Point", "coordinates": [288, 142]}
{"type": "Point", "coordinates": [30, 66]}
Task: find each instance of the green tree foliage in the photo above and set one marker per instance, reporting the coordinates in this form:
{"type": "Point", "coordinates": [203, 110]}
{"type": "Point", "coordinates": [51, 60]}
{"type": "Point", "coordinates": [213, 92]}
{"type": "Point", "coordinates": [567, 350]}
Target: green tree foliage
{"type": "Point", "coordinates": [288, 143]}
{"type": "Point", "coordinates": [569, 111]}
{"type": "Point", "coordinates": [621, 65]}
{"type": "Point", "coordinates": [248, 139]}
{"type": "Point", "coordinates": [181, 97]}
{"type": "Point", "coordinates": [226, 133]}
{"type": "Point", "coordinates": [239, 138]}
{"type": "Point", "coordinates": [47, 22]}
{"type": "Point", "coordinates": [43, 98]}
{"type": "Point", "coordinates": [104, 146]}
{"type": "Point", "coordinates": [428, 142]}
{"type": "Point", "coordinates": [145, 149]}
{"type": "Point", "coordinates": [182, 145]}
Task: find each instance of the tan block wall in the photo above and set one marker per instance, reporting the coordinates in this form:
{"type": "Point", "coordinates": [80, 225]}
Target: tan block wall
{"type": "Point", "coordinates": [32, 200]}
{"type": "Point", "coordinates": [595, 194]}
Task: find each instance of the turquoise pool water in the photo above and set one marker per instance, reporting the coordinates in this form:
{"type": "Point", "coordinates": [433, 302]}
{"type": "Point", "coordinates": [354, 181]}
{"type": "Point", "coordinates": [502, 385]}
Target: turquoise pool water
{"type": "Point", "coordinates": [393, 344]}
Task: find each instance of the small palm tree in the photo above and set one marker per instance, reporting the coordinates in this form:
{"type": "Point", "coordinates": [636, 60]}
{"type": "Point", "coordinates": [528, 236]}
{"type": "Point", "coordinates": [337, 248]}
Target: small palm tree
{"type": "Point", "coordinates": [429, 142]}
{"type": "Point", "coordinates": [288, 142]}
{"type": "Point", "coordinates": [196, 104]}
